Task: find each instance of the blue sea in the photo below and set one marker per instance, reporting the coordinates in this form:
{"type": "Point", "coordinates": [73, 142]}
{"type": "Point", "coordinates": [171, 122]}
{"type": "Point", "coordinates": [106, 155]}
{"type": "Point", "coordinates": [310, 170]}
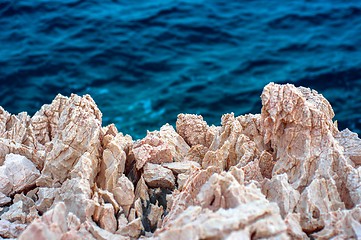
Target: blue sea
{"type": "Point", "coordinates": [144, 62]}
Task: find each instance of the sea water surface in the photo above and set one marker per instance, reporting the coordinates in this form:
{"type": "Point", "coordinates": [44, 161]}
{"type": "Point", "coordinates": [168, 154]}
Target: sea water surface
{"type": "Point", "coordinates": [144, 62]}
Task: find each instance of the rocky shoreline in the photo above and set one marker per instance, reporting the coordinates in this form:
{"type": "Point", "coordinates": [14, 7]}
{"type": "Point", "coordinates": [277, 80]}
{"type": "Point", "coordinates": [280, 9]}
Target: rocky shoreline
{"type": "Point", "coordinates": [287, 173]}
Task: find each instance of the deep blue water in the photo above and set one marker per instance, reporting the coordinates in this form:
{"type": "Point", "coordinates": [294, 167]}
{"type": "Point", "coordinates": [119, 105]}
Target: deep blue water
{"type": "Point", "coordinates": [144, 62]}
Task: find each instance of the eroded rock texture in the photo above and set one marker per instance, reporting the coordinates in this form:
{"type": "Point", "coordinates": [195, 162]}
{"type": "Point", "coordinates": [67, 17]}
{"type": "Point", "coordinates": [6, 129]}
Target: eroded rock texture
{"type": "Point", "coordinates": [287, 173]}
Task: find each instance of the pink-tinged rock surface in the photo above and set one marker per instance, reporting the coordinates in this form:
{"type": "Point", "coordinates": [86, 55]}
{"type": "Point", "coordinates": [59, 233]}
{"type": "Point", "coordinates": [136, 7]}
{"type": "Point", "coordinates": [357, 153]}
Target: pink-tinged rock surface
{"type": "Point", "coordinates": [286, 173]}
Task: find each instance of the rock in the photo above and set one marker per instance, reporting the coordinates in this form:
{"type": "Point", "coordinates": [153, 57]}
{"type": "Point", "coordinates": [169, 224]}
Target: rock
{"type": "Point", "coordinates": [318, 199]}
{"type": "Point", "coordinates": [294, 119]}
{"type": "Point", "coordinates": [138, 207]}
{"type": "Point", "coordinates": [56, 224]}
{"type": "Point", "coordinates": [11, 230]}
{"type": "Point", "coordinates": [181, 179]}
{"type": "Point", "coordinates": [132, 215]}
{"type": "Point", "coordinates": [294, 229]}
{"type": "Point", "coordinates": [105, 216]}
{"type": "Point", "coordinates": [84, 168]}
{"type": "Point", "coordinates": [198, 223]}
{"type": "Point", "coordinates": [124, 192]}
{"type": "Point", "coordinates": [266, 164]}
{"type": "Point", "coordinates": [6, 185]}
{"type": "Point", "coordinates": [251, 127]}
{"type": "Point", "coordinates": [36, 156]}
{"type": "Point", "coordinates": [214, 205]}
{"type": "Point", "coordinates": [4, 199]}
{"type": "Point", "coordinates": [101, 234]}
{"type": "Point", "coordinates": [252, 172]}
{"type": "Point", "coordinates": [192, 128]}
{"type": "Point", "coordinates": [46, 198]}
{"type": "Point", "coordinates": [341, 224]}
{"type": "Point", "coordinates": [287, 173]}
{"type": "Point", "coordinates": [151, 149]}
{"type": "Point", "coordinates": [141, 190]}
{"type": "Point", "coordinates": [179, 148]}
{"type": "Point", "coordinates": [297, 124]}
{"type": "Point", "coordinates": [21, 211]}
{"type": "Point", "coordinates": [113, 164]}
{"type": "Point", "coordinates": [73, 222]}
{"type": "Point", "coordinates": [32, 194]}
{"type": "Point", "coordinates": [17, 136]}
{"type": "Point", "coordinates": [351, 144]}
{"type": "Point", "coordinates": [76, 194]}
{"type": "Point", "coordinates": [133, 229]}
{"type": "Point", "coordinates": [68, 128]}
{"type": "Point", "coordinates": [14, 127]}
{"type": "Point", "coordinates": [22, 172]}
{"type": "Point", "coordinates": [15, 213]}
{"type": "Point", "coordinates": [181, 167]}
{"type": "Point", "coordinates": [162, 146]}
{"type": "Point", "coordinates": [28, 207]}
{"type": "Point", "coordinates": [190, 190]}
{"type": "Point", "coordinates": [155, 215]}
{"type": "Point", "coordinates": [122, 221]}
{"type": "Point", "coordinates": [196, 153]}
{"type": "Point", "coordinates": [280, 191]}
{"type": "Point", "coordinates": [108, 197]}
{"type": "Point", "coordinates": [17, 174]}
{"type": "Point", "coordinates": [157, 176]}
{"type": "Point", "coordinates": [230, 147]}
{"type": "Point", "coordinates": [51, 225]}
